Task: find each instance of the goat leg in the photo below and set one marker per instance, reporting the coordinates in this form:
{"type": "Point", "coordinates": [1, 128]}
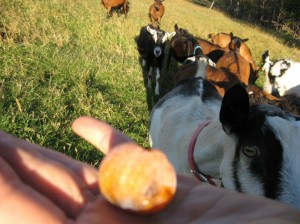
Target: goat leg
{"type": "Point", "coordinates": [125, 8]}
{"type": "Point", "coordinates": [157, 83]}
{"type": "Point", "coordinates": [109, 11]}
{"type": "Point", "coordinates": [150, 77]}
{"type": "Point", "coordinates": [143, 63]}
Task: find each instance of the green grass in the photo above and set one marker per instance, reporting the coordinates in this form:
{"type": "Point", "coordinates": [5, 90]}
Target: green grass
{"type": "Point", "coordinates": [62, 59]}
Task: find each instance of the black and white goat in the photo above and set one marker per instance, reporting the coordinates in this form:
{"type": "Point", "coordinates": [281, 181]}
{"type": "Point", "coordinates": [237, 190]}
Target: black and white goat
{"type": "Point", "coordinates": [282, 76]}
{"type": "Point", "coordinates": [151, 45]}
{"type": "Point", "coordinates": [253, 149]}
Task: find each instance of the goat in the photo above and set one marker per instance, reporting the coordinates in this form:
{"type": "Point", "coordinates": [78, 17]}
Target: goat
{"type": "Point", "coordinates": [115, 4]}
{"type": "Point", "coordinates": [221, 39]}
{"type": "Point", "coordinates": [282, 76]}
{"type": "Point", "coordinates": [230, 69]}
{"type": "Point", "coordinates": [227, 42]}
{"type": "Point", "coordinates": [213, 51]}
{"type": "Point", "coordinates": [234, 63]}
{"type": "Point", "coordinates": [289, 103]}
{"type": "Point", "coordinates": [151, 45]}
{"type": "Point", "coordinates": [156, 11]}
{"type": "Point", "coordinates": [183, 45]}
{"type": "Point", "coordinates": [252, 148]}
{"type": "Point", "coordinates": [222, 80]}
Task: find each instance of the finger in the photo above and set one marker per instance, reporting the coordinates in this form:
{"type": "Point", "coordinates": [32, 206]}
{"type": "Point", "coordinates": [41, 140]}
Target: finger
{"type": "Point", "coordinates": [87, 173]}
{"type": "Point", "coordinates": [100, 134]}
{"type": "Point", "coordinates": [49, 177]}
{"type": "Point", "coordinates": [21, 204]}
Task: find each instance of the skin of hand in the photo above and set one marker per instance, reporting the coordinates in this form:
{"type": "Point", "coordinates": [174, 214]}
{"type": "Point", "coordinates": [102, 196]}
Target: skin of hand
{"type": "Point", "coordinates": [40, 185]}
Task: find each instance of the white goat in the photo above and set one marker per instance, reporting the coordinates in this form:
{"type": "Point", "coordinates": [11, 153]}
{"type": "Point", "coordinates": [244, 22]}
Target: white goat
{"type": "Point", "coordinates": [253, 149]}
{"type": "Point", "coordinates": [282, 76]}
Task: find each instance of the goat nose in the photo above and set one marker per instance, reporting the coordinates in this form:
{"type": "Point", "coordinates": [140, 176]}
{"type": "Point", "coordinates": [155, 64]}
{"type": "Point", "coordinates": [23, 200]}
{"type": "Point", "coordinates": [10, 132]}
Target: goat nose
{"type": "Point", "coordinates": [157, 52]}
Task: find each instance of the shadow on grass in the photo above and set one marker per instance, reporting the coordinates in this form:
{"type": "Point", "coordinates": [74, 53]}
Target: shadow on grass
{"type": "Point", "coordinates": [165, 81]}
{"type": "Point", "coordinates": [286, 39]}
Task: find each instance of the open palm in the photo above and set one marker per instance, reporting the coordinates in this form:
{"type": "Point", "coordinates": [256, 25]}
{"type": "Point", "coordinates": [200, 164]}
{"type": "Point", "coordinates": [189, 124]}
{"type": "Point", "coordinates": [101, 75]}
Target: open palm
{"type": "Point", "coordinates": [39, 185]}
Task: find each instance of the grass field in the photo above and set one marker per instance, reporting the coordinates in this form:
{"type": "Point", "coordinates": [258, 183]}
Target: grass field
{"type": "Point", "coordinates": [62, 59]}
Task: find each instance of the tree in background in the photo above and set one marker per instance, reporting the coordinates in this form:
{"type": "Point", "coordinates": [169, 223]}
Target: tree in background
{"type": "Point", "coordinates": [281, 15]}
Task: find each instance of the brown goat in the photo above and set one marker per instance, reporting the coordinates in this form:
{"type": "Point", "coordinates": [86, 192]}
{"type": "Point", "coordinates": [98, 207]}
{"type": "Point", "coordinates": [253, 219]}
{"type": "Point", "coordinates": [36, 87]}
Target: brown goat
{"type": "Point", "coordinates": [156, 11]}
{"type": "Point", "coordinates": [213, 51]}
{"type": "Point", "coordinates": [234, 63]}
{"type": "Point", "coordinates": [185, 71]}
{"type": "Point", "coordinates": [226, 41]}
{"type": "Point", "coordinates": [230, 69]}
{"type": "Point", "coordinates": [224, 81]}
{"type": "Point", "coordinates": [221, 79]}
{"type": "Point", "coordinates": [289, 103]}
{"type": "Point", "coordinates": [220, 39]}
{"type": "Point", "coordinates": [115, 4]}
{"type": "Point", "coordinates": [183, 45]}
{"type": "Point", "coordinates": [244, 51]}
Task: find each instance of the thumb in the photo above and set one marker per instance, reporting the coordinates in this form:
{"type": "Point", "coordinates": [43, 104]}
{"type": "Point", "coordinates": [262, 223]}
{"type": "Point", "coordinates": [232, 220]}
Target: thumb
{"type": "Point", "coordinates": [100, 134]}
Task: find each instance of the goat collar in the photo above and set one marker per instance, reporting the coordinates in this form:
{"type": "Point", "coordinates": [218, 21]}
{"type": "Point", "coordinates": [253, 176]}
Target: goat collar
{"type": "Point", "coordinates": [194, 168]}
{"type": "Point", "coordinates": [196, 47]}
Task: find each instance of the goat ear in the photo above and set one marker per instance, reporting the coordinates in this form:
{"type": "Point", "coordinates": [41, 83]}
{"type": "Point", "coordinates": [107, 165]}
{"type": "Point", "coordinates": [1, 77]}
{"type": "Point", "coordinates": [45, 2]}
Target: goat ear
{"type": "Point", "coordinates": [266, 58]}
{"type": "Point", "coordinates": [266, 53]}
{"type": "Point", "coordinates": [175, 27]}
{"type": "Point", "coordinates": [285, 65]}
{"type": "Point", "coordinates": [172, 34]}
{"type": "Point", "coordinates": [235, 108]}
{"type": "Point", "coordinates": [245, 40]}
{"type": "Point", "coordinates": [150, 30]}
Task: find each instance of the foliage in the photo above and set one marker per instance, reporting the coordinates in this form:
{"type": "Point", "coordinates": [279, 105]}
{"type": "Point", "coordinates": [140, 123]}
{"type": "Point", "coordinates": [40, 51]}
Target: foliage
{"type": "Point", "coordinates": [280, 15]}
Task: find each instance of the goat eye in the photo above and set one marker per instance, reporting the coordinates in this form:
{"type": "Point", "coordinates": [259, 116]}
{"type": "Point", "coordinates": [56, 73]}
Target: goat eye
{"type": "Point", "coordinates": [251, 151]}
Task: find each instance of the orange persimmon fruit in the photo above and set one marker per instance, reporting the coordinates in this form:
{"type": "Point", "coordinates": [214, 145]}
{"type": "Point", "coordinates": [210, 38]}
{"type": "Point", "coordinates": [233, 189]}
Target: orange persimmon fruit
{"type": "Point", "coordinates": [138, 180]}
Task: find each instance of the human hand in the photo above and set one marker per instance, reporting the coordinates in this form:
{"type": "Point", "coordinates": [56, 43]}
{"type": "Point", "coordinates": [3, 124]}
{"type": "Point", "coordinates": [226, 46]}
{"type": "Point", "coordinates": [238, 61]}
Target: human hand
{"type": "Point", "coordinates": [39, 185]}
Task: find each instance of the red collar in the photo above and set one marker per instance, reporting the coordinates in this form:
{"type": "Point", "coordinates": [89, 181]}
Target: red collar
{"type": "Point", "coordinates": [194, 168]}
